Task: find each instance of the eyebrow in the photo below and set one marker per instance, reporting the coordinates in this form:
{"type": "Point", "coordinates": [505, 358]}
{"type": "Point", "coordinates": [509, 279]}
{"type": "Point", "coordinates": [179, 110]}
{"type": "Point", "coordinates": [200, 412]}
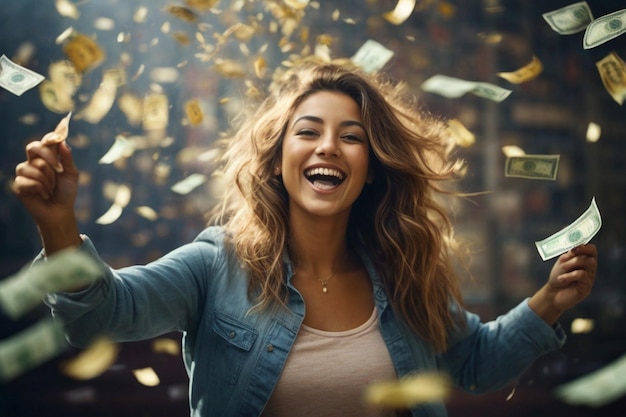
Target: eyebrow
{"type": "Point", "coordinates": [316, 119]}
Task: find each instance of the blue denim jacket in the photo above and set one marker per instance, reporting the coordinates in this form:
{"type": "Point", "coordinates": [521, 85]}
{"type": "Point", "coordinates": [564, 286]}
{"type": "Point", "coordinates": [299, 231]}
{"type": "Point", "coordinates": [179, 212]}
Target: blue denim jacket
{"type": "Point", "coordinates": [234, 357]}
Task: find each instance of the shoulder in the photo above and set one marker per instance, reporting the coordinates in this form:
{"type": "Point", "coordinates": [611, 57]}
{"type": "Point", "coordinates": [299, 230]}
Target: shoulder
{"type": "Point", "coordinates": [217, 237]}
{"type": "Point", "coordinates": [213, 245]}
{"type": "Point", "coordinates": [212, 234]}
{"type": "Point", "coordinates": [205, 252]}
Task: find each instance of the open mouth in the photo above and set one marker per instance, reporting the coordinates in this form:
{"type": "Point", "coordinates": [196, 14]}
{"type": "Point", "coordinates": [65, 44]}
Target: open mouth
{"type": "Point", "coordinates": [324, 178]}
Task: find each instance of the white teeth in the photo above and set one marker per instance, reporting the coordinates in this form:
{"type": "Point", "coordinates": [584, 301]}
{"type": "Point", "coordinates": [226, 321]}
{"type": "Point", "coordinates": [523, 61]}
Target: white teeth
{"type": "Point", "coordinates": [324, 171]}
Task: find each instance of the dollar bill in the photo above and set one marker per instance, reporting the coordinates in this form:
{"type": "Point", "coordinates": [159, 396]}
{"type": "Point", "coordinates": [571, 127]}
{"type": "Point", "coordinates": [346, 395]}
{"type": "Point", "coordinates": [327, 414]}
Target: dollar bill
{"type": "Point", "coordinates": [30, 348]}
{"type": "Point", "coordinates": [64, 75]}
{"type": "Point", "coordinates": [67, 8]}
{"type": "Point", "coordinates": [93, 361]}
{"type": "Point", "coordinates": [155, 111]}
{"type": "Point", "coordinates": [260, 67]}
{"type": "Point", "coordinates": [111, 215]}
{"type": "Point", "coordinates": [122, 194]}
{"type": "Point", "coordinates": [61, 271]}
{"type": "Point", "coordinates": [229, 68]}
{"type": "Point", "coordinates": [569, 19]}
{"type": "Point", "coordinates": [55, 98]}
{"type": "Point", "coordinates": [372, 56]}
{"type": "Point", "coordinates": [402, 11]}
{"type": "Point", "coordinates": [188, 184]}
{"type": "Point", "coordinates": [60, 132]}
{"type": "Point", "coordinates": [84, 52]}
{"type": "Point", "coordinates": [57, 92]}
{"type": "Point", "coordinates": [132, 107]}
{"type": "Point", "coordinates": [102, 99]}
{"type": "Point", "coordinates": [121, 148]}
{"type": "Point", "coordinates": [613, 74]}
{"type": "Point", "coordinates": [451, 87]}
{"type": "Point", "coordinates": [116, 75]}
{"type": "Point", "coordinates": [605, 28]}
{"type": "Point", "coordinates": [183, 13]}
{"type": "Point", "coordinates": [460, 134]}
{"type": "Point", "coordinates": [536, 167]}
{"type": "Point", "coordinates": [580, 232]}
{"type": "Point", "coordinates": [16, 78]}
{"type": "Point", "coordinates": [526, 73]}
{"type": "Point", "coordinates": [598, 388]}
{"type": "Point", "coordinates": [490, 91]}
{"type": "Point", "coordinates": [194, 112]}
{"type": "Point", "coordinates": [409, 391]}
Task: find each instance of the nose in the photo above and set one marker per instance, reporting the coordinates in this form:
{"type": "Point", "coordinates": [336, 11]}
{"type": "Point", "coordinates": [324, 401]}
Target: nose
{"type": "Point", "coordinates": [328, 145]}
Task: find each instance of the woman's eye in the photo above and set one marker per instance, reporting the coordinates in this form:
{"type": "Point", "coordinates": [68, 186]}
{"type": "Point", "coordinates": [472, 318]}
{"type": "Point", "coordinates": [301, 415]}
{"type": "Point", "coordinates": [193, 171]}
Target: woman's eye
{"type": "Point", "coordinates": [306, 132]}
{"type": "Point", "coordinates": [352, 138]}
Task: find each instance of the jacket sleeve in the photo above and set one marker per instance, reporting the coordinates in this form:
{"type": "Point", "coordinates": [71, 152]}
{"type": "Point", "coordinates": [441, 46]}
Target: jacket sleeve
{"type": "Point", "coordinates": [484, 357]}
{"type": "Point", "coordinates": [138, 302]}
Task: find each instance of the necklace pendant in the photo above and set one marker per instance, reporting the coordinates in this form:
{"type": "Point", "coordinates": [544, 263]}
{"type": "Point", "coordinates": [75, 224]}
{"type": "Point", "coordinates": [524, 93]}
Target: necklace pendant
{"type": "Point", "coordinates": [324, 289]}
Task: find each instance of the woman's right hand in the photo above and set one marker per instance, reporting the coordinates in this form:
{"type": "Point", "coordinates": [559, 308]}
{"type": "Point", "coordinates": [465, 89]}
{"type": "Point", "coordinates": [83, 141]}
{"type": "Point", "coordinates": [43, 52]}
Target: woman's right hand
{"type": "Point", "coordinates": [47, 183]}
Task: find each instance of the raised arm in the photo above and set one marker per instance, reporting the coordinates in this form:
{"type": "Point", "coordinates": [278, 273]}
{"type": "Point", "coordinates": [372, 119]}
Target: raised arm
{"type": "Point", "coordinates": [487, 356]}
{"type": "Point", "coordinates": [47, 183]}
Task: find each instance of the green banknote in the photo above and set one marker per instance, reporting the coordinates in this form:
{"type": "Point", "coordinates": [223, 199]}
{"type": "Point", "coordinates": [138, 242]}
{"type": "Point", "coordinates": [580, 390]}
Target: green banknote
{"type": "Point", "coordinates": [61, 271]}
{"type": "Point", "coordinates": [580, 232]}
{"type": "Point", "coordinates": [372, 56]}
{"type": "Point", "coordinates": [605, 28]}
{"type": "Point", "coordinates": [569, 19]}
{"type": "Point", "coordinates": [612, 71]}
{"type": "Point", "coordinates": [31, 348]}
{"type": "Point", "coordinates": [451, 87]}
{"type": "Point", "coordinates": [16, 78]}
{"type": "Point", "coordinates": [536, 167]}
{"type": "Point", "coordinates": [598, 388]}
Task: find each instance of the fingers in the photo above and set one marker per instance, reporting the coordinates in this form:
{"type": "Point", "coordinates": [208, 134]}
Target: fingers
{"type": "Point", "coordinates": [582, 257]}
{"type": "Point", "coordinates": [35, 177]}
{"type": "Point", "coordinates": [26, 187]}
{"type": "Point", "coordinates": [66, 159]}
{"type": "Point", "coordinates": [49, 154]}
{"type": "Point", "coordinates": [579, 277]}
{"type": "Point", "coordinates": [587, 250]}
{"type": "Point", "coordinates": [580, 264]}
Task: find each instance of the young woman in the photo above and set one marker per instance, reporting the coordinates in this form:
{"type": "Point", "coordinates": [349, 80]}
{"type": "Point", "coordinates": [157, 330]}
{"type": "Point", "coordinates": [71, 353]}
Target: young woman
{"type": "Point", "coordinates": [328, 267]}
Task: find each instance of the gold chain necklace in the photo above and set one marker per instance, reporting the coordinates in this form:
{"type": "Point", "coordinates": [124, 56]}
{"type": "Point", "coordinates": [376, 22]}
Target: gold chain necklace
{"type": "Point", "coordinates": [323, 281]}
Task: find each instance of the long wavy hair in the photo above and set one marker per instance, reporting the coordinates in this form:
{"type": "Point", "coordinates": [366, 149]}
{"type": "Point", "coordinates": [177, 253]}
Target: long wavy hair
{"type": "Point", "coordinates": [399, 218]}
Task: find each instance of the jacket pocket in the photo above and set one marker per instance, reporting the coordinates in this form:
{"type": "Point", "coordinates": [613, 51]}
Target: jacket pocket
{"type": "Point", "coordinates": [231, 347]}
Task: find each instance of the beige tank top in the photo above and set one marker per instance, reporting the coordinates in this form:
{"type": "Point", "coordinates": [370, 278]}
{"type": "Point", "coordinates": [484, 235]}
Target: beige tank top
{"type": "Point", "coordinates": [326, 373]}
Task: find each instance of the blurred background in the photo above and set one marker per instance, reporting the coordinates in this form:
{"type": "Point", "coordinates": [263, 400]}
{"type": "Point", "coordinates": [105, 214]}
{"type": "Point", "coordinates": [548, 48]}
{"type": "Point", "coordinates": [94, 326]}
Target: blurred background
{"type": "Point", "coordinates": [170, 77]}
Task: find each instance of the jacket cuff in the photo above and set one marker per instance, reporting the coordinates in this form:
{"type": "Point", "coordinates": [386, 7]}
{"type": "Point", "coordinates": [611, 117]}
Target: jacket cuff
{"type": "Point", "coordinates": [544, 337]}
{"type": "Point", "coordinates": [74, 304]}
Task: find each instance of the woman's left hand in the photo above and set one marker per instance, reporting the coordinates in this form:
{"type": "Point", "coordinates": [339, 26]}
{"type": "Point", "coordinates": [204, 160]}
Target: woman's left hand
{"type": "Point", "coordinates": [571, 280]}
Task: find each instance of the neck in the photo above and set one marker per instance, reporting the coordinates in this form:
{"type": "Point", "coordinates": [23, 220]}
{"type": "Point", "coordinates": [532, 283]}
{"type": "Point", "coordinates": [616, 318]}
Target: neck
{"type": "Point", "coordinates": [320, 244]}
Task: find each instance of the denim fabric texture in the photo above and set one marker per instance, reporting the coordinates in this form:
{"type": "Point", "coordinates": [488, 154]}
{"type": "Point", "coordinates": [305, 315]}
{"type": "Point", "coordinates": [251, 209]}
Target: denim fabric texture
{"type": "Point", "coordinates": [234, 356]}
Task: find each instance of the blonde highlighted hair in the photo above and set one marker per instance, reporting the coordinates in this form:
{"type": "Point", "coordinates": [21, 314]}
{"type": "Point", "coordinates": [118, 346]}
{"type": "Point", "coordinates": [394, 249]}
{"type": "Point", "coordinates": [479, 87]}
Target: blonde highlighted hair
{"type": "Point", "coordinates": [398, 218]}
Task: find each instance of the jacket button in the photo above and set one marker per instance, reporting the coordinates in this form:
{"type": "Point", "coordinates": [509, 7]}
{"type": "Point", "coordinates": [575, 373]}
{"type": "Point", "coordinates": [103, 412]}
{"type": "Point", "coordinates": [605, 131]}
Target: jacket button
{"type": "Point", "coordinates": [270, 347]}
{"type": "Point", "coordinates": [231, 335]}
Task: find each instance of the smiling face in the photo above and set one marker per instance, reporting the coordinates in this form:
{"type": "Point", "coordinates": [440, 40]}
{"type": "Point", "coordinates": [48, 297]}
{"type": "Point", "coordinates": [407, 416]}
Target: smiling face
{"type": "Point", "coordinates": [325, 155]}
